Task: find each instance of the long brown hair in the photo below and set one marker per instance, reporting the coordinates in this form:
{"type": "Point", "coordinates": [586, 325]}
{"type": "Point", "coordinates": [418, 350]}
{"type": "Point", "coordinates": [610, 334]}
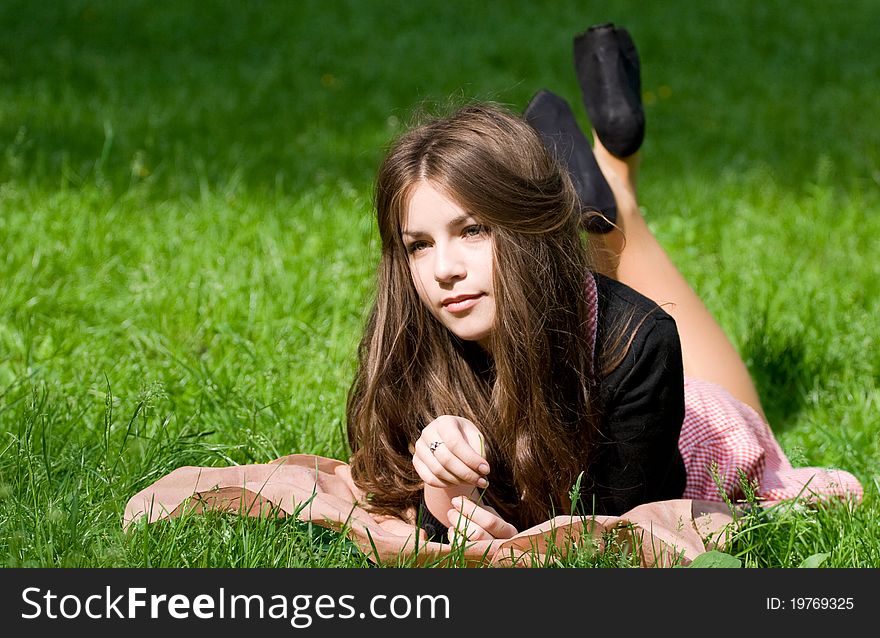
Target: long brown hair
{"type": "Point", "coordinates": [535, 399]}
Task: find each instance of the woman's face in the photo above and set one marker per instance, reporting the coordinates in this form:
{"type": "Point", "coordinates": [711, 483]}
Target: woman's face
{"type": "Point", "coordinates": [451, 262]}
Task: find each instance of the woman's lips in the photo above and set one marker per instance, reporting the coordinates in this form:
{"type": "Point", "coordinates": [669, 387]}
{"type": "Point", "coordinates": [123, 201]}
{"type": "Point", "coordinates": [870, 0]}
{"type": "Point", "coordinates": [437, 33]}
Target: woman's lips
{"type": "Point", "coordinates": [464, 304]}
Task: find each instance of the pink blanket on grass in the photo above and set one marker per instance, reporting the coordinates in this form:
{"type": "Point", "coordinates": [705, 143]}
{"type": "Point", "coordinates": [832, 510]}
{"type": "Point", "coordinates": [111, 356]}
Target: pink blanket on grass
{"type": "Point", "coordinates": [321, 490]}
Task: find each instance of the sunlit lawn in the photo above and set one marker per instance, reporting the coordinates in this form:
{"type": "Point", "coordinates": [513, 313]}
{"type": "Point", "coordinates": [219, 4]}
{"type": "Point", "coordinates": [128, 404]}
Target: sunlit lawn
{"type": "Point", "coordinates": [187, 247]}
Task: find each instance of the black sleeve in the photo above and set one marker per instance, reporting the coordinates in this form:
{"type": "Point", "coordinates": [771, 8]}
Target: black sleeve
{"type": "Point", "coordinates": [637, 458]}
{"type": "Point", "coordinates": [435, 530]}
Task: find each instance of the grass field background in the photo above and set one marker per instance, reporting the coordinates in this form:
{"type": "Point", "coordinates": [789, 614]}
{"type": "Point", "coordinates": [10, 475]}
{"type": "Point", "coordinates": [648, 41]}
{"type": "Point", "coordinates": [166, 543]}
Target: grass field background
{"type": "Point", "coordinates": [187, 247]}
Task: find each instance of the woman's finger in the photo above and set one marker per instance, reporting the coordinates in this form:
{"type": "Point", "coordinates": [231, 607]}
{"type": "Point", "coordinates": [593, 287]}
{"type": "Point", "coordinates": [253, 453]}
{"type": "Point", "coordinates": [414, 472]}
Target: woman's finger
{"type": "Point", "coordinates": [464, 528]}
{"type": "Point", "coordinates": [429, 478]}
{"type": "Point", "coordinates": [444, 465]}
{"type": "Point", "coordinates": [446, 457]}
{"type": "Point", "coordinates": [486, 519]}
{"type": "Point", "coordinates": [434, 466]}
{"type": "Point", "coordinates": [462, 438]}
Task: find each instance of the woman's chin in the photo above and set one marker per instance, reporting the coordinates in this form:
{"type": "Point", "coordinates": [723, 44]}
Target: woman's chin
{"type": "Point", "coordinates": [480, 336]}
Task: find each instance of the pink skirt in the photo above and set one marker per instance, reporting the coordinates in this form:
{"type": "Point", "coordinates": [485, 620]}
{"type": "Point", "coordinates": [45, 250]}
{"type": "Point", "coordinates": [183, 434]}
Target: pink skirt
{"type": "Point", "coordinates": [722, 436]}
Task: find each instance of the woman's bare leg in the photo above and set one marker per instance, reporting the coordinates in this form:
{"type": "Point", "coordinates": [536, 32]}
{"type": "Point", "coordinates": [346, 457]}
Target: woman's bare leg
{"type": "Point", "coordinates": [634, 257]}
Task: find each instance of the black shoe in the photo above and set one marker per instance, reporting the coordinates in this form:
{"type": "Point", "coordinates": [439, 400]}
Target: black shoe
{"type": "Point", "coordinates": [552, 117]}
{"type": "Point", "coordinates": [609, 73]}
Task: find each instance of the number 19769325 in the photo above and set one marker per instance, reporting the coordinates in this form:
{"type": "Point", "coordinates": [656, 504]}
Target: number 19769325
{"type": "Point", "coordinates": [805, 603]}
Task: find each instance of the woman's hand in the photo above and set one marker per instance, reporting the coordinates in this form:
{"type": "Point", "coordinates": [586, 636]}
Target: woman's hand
{"type": "Point", "coordinates": [457, 455]}
{"type": "Point", "coordinates": [476, 522]}
{"type": "Point", "coordinates": [455, 467]}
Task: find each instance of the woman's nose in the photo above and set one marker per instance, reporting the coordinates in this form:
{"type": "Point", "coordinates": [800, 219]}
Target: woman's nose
{"type": "Point", "coordinates": [448, 263]}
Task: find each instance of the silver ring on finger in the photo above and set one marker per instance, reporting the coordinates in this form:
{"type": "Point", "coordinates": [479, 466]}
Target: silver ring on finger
{"type": "Point", "coordinates": [434, 445]}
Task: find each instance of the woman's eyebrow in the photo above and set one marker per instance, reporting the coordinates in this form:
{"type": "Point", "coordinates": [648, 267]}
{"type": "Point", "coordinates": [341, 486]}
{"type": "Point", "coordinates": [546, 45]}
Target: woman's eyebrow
{"type": "Point", "coordinates": [452, 223]}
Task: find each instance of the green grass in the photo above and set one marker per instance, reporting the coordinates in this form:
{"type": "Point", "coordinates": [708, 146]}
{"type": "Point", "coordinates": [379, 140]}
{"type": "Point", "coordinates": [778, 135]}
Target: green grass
{"type": "Point", "coordinates": [187, 248]}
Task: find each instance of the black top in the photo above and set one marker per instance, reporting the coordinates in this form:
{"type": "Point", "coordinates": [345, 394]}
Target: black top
{"type": "Point", "coordinates": [637, 460]}
{"type": "Point", "coordinates": [643, 398]}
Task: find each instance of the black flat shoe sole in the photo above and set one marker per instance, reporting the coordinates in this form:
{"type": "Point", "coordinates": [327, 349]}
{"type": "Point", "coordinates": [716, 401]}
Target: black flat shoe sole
{"type": "Point", "coordinates": [609, 73]}
{"type": "Point", "coordinates": [551, 116]}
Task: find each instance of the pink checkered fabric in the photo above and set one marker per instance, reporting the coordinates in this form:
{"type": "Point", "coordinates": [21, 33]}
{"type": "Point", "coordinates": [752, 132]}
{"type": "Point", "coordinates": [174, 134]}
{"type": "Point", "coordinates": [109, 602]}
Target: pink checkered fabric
{"type": "Point", "coordinates": [722, 433]}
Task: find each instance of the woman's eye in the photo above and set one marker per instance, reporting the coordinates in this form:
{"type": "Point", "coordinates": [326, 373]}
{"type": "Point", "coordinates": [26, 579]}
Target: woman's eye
{"type": "Point", "coordinates": [415, 247]}
{"type": "Point", "coordinates": [476, 229]}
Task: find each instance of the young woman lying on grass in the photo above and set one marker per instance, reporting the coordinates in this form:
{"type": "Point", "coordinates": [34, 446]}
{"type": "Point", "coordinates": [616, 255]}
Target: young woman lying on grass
{"type": "Point", "coordinates": [530, 334]}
